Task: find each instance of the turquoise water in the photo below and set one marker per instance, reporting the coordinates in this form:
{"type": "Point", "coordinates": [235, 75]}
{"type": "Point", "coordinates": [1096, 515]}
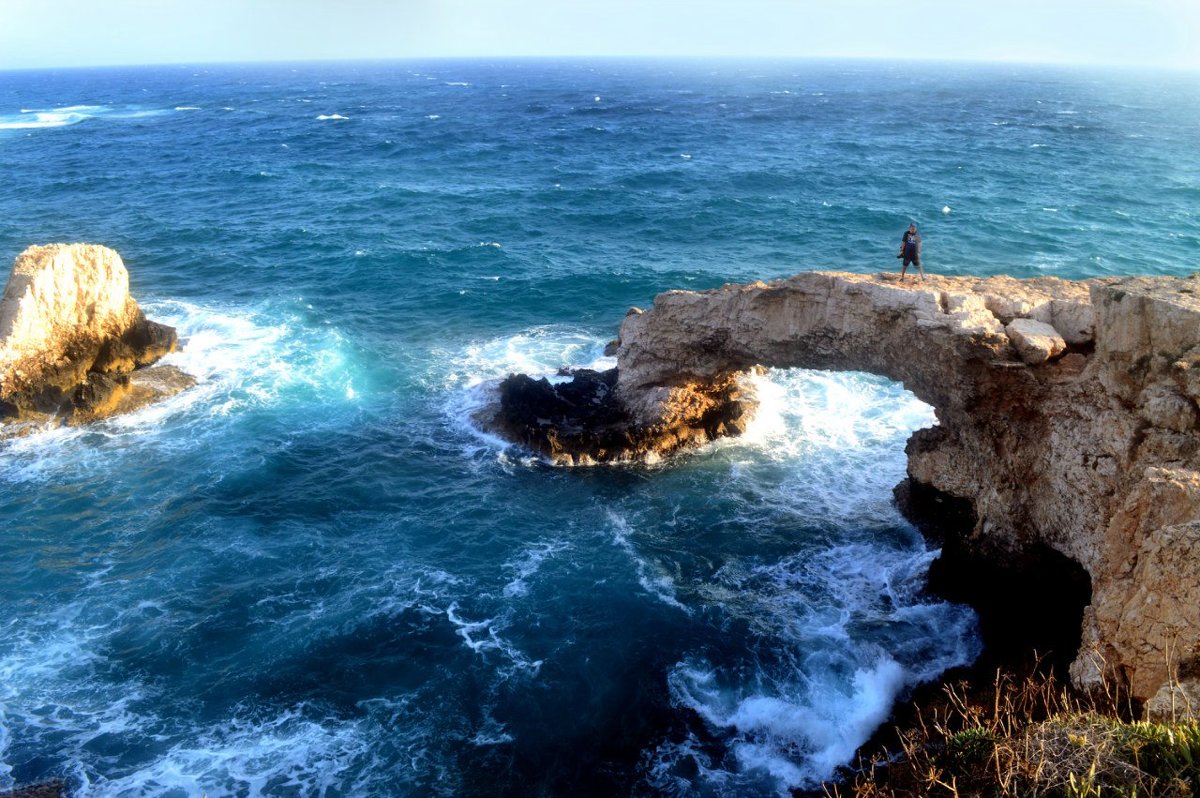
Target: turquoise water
{"type": "Point", "coordinates": [311, 575]}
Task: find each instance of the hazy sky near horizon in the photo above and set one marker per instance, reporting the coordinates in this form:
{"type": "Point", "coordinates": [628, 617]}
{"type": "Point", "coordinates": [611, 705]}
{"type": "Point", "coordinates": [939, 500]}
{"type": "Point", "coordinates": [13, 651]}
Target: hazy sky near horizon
{"type": "Point", "coordinates": [60, 33]}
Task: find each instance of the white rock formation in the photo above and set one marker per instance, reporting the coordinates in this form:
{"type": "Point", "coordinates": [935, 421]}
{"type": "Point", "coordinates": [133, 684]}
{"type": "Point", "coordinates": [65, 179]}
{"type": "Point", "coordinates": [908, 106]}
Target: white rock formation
{"type": "Point", "coordinates": [57, 294]}
{"type": "Point", "coordinates": [1035, 341]}
{"type": "Point", "coordinates": [70, 333]}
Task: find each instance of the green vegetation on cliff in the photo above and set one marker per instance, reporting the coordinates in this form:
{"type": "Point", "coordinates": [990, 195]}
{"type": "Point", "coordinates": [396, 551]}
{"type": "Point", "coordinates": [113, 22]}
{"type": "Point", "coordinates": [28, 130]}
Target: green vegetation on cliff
{"type": "Point", "coordinates": [1029, 738]}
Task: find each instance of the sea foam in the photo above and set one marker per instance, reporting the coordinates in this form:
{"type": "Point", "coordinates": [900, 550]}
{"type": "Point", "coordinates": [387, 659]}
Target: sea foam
{"type": "Point", "coordinates": [475, 370]}
{"type": "Point", "coordinates": [849, 625]}
{"type": "Point", "coordinates": [39, 118]}
{"type": "Point", "coordinates": [242, 361]}
{"type": "Point", "coordinates": [31, 119]}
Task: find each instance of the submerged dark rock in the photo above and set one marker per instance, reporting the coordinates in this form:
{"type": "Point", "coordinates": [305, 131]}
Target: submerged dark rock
{"type": "Point", "coordinates": [47, 789]}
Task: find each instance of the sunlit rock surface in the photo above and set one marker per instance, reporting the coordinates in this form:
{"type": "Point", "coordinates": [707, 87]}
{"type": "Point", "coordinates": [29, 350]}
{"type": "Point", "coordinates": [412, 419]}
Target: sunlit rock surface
{"type": "Point", "coordinates": [72, 338]}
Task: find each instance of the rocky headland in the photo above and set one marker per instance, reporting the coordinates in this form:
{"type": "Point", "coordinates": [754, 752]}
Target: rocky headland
{"type": "Point", "coordinates": [1063, 472]}
{"type": "Point", "coordinates": [74, 345]}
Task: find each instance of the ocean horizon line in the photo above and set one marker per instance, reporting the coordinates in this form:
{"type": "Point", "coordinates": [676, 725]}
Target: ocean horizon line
{"type": "Point", "coordinates": [692, 59]}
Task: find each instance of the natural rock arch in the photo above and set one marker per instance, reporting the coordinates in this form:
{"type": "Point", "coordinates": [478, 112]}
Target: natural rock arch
{"type": "Point", "coordinates": [1067, 419]}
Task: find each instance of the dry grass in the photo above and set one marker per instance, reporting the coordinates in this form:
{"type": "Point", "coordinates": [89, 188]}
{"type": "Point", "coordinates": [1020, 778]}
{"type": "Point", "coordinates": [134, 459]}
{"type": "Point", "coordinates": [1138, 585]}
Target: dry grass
{"type": "Point", "coordinates": [1029, 738]}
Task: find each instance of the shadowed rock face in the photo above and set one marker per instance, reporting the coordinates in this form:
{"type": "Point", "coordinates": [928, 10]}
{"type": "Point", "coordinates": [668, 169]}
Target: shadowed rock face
{"type": "Point", "coordinates": [71, 338]}
{"type": "Point", "coordinates": [1067, 418]}
{"type": "Point", "coordinates": [580, 422]}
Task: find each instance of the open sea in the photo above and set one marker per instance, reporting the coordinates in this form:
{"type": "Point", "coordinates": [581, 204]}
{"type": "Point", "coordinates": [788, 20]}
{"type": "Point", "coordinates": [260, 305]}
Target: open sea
{"type": "Point", "coordinates": [310, 575]}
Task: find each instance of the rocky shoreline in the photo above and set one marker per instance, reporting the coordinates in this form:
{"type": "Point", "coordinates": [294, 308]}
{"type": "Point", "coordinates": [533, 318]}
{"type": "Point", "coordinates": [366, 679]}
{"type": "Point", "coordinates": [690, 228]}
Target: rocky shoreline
{"type": "Point", "coordinates": [74, 345]}
{"type": "Point", "coordinates": [1061, 482]}
{"type": "Point", "coordinates": [1067, 432]}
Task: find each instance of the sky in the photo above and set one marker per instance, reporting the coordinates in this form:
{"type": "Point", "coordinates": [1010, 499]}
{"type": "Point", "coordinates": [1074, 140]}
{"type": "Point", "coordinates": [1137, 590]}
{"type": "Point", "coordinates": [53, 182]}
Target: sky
{"type": "Point", "coordinates": [66, 33]}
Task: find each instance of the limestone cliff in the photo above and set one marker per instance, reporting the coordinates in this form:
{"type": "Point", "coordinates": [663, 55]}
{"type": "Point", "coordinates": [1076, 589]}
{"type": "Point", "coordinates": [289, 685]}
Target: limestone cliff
{"type": "Point", "coordinates": [1067, 418]}
{"type": "Point", "coordinates": [70, 335]}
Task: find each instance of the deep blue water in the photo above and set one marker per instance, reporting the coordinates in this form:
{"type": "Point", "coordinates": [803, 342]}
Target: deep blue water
{"type": "Point", "coordinates": [310, 575]}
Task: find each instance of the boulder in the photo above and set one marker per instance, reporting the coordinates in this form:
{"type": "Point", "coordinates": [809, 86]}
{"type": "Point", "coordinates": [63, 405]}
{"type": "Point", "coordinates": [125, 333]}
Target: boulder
{"type": "Point", "coordinates": [1176, 702]}
{"type": "Point", "coordinates": [1035, 341]}
{"type": "Point", "coordinates": [71, 335]}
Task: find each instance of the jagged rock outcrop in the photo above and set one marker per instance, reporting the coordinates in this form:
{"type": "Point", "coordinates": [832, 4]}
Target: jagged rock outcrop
{"type": "Point", "coordinates": [72, 339]}
{"type": "Point", "coordinates": [47, 789]}
{"type": "Point", "coordinates": [580, 422]}
{"type": "Point", "coordinates": [1067, 418]}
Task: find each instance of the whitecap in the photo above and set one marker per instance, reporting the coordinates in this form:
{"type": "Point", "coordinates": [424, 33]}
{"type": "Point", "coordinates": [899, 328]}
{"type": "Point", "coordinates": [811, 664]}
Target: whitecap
{"type": "Point", "coordinates": [296, 748]}
{"type": "Point", "coordinates": [794, 733]}
{"type": "Point", "coordinates": [1048, 263]}
{"type": "Point", "coordinates": [470, 376]}
{"type": "Point", "coordinates": [62, 116]}
{"type": "Point", "coordinates": [136, 113]}
{"type": "Point", "coordinates": [653, 578]}
{"type": "Point", "coordinates": [848, 624]}
{"type": "Point", "coordinates": [845, 429]}
{"type": "Point", "coordinates": [32, 120]}
{"type": "Point", "coordinates": [85, 109]}
{"type": "Point", "coordinates": [527, 565]}
{"type": "Point", "coordinates": [187, 108]}
{"type": "Point", "coordinates": [492, 733]}
{"type": "Point", "coordinates": [676, 768]}
{"type": "Point", "coordinates": [333, 117]}
{"type": "Point", "coordinates": [241, 361]}
{"type": "Point", "coordinates": [483, 637]}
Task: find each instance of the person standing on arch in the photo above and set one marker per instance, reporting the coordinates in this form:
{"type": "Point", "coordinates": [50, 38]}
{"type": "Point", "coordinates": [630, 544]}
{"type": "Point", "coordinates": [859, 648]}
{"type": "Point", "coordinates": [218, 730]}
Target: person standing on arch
{"type": "Point", "coordinates": [910, 251]}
